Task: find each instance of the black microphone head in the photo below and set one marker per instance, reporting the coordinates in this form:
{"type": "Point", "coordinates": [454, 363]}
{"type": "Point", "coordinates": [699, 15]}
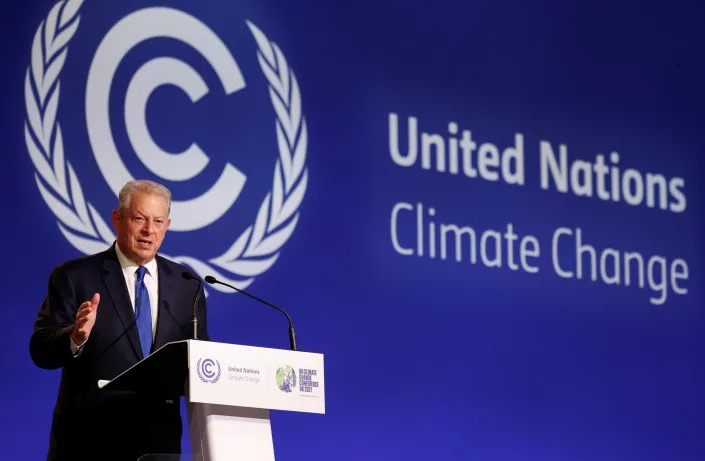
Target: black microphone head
{"type": "Point", "coordinates": [188, 275]}
{"type": "Point", "coordinates": [210, 279]}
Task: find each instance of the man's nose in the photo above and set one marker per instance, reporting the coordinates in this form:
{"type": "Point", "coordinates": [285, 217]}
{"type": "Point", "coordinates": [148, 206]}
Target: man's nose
{"type": "Point", "coordinates": [148, 226]}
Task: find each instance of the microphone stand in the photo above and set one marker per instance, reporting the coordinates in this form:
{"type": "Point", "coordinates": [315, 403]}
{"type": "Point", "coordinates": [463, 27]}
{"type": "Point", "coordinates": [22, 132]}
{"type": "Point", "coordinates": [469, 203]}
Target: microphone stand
{"type": "Point", "coordinates": [194, 319]}
{"type": "Point", "coordinates": [292, 334]}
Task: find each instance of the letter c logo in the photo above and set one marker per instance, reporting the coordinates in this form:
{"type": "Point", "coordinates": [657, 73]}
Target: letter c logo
{"type": "Point", "coordinates": [127, 33]}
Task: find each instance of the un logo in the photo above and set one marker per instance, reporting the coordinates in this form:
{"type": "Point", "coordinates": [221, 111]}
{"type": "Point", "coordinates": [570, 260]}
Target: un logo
{"type": "Point", "coordinates": [256, 248]}
{"type": "Point", "coordinates": [208, 370]}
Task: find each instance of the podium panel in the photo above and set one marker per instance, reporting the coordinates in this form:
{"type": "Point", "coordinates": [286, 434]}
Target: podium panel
{"type": "Point", "coordinates": [255, 377]}
{"type": "Point", "coordinates": [221, 432]}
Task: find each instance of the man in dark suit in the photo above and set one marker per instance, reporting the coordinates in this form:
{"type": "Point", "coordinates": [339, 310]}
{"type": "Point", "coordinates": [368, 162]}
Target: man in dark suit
{"type": "Point", "coordinates": [104, 313]}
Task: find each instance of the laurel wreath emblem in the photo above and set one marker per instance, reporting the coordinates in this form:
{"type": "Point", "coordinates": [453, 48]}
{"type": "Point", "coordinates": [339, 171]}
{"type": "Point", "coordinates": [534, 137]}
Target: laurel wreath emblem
{"type": "Point", "coordinates": [256, 249]}
{"type": "Point", "coordinates": [203, 375]}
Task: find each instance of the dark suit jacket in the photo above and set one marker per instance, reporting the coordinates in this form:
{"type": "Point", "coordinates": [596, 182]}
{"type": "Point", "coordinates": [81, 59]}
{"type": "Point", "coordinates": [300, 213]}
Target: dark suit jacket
{"type": "Point", "coordinates": [93, 424]}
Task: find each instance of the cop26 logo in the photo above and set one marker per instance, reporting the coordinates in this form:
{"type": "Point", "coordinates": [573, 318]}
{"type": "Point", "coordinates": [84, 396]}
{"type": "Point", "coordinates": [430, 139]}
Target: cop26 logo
{"type": "Point", "coordinates": [256, 249]}
{"type": "Point", "coordinates": [286, 378]}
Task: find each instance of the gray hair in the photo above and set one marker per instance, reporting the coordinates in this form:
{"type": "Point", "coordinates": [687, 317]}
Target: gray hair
{"type": "Point", "coordinates": [144, 186]}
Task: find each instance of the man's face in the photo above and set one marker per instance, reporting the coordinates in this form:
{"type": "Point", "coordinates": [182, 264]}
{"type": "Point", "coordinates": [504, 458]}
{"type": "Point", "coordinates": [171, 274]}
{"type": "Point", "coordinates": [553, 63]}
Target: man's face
{"type": "Point", "coordinates": [141, 228]}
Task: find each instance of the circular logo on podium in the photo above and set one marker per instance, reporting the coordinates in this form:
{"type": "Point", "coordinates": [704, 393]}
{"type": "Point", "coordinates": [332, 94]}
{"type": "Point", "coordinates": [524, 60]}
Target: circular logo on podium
{"type": "Point", "coordinates": [286, 378]}
{"type": "Point", "coordinates": [208, 370]}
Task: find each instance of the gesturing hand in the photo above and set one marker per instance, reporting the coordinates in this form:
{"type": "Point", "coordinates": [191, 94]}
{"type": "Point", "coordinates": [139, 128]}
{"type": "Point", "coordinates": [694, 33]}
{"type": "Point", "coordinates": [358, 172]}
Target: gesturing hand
{"type": "Point", "coordinates": [85, 319]}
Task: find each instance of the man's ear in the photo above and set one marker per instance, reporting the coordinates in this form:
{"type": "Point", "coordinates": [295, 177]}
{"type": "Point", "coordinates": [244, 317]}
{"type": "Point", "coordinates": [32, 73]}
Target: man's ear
{"type": "Point", "coordinates": [116, 219]}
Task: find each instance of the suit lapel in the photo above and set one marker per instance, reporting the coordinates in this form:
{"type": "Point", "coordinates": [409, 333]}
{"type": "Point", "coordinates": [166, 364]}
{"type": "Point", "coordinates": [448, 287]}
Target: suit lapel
{"type": "Point", "coordinates": [117, 290]}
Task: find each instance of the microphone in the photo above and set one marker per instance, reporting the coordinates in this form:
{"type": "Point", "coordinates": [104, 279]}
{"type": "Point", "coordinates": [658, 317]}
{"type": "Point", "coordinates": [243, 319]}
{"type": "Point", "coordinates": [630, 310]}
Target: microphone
{"type": "Point", "coordinates": [292, 334]}
{"type": "Point", "coordinates": [194, 320]}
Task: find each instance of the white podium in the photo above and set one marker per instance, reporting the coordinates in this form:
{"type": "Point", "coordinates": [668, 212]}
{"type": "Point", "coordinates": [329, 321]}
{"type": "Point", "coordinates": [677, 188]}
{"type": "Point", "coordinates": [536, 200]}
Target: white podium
{"type": "Point", "coordinates": [229, 390]}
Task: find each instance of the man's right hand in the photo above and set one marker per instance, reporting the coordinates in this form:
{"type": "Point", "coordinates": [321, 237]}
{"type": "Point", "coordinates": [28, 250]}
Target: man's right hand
{"type": "Point", "coordinates": [85, 319]}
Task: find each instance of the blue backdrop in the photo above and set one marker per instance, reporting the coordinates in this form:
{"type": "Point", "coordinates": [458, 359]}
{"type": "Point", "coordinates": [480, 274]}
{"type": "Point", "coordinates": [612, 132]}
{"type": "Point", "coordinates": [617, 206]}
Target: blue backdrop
{"type": "Point", "coordinates": [426, 185]}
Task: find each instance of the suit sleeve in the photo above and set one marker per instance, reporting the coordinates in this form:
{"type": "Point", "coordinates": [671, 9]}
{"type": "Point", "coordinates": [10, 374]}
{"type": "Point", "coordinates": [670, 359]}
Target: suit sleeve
{"type": "Point", "coordinates": [50, 345]}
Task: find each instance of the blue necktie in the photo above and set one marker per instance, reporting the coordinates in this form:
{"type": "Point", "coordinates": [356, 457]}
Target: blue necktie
{"type": "Point", "coordinates": [143, 313]}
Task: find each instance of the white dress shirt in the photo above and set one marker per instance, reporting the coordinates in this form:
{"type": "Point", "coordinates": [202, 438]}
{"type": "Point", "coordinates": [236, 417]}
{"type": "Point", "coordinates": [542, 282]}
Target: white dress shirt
{"type": "Point", "coordinates": [151, 281]}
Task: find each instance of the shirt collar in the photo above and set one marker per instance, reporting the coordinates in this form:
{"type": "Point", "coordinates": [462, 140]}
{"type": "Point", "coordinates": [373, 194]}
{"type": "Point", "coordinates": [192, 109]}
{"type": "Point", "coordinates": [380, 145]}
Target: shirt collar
{"type": "Point", "coordinates": [127, 263]}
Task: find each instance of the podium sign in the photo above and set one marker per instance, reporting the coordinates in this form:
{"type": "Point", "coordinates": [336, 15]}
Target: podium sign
{"type": "Point", "coordinates": [255, 377]}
